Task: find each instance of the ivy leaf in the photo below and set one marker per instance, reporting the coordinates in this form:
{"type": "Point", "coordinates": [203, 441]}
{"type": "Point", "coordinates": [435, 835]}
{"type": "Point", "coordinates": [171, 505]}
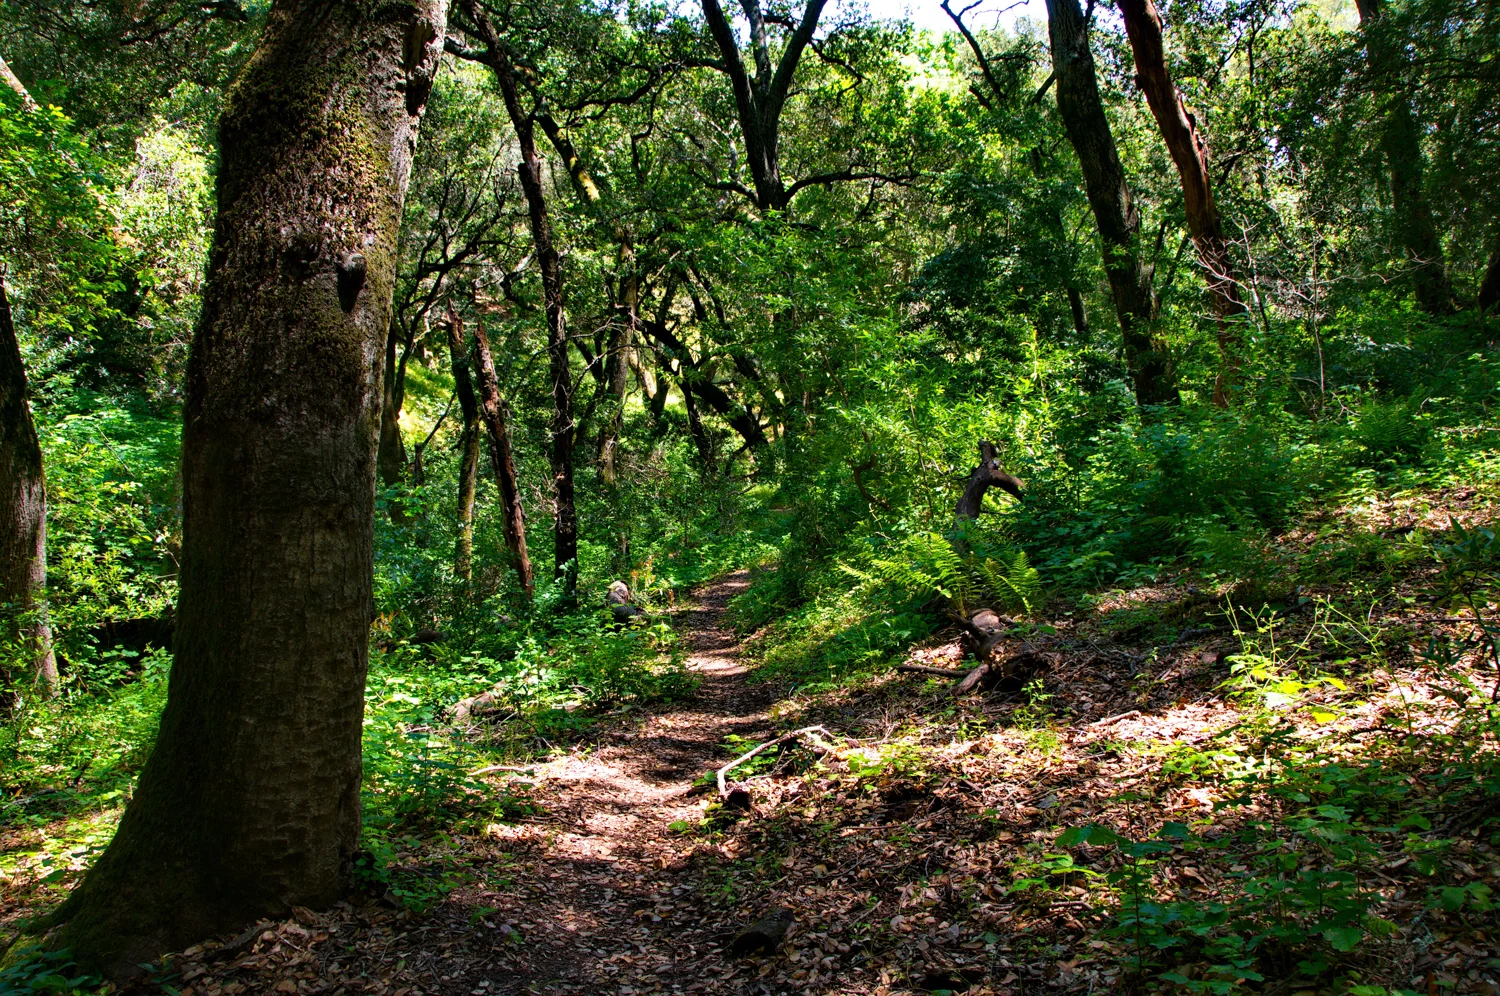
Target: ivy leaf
{"type": "Point", "coordinates": [1343, 938]}
{"type": "Point", "coordinates": [1092, 833]}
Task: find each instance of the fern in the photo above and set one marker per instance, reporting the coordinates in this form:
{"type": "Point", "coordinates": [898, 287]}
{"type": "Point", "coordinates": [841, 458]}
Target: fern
{"type": "Point", "coordinates": [927, 564]}
{"type": "Point", "coordinates": [1014, 583]}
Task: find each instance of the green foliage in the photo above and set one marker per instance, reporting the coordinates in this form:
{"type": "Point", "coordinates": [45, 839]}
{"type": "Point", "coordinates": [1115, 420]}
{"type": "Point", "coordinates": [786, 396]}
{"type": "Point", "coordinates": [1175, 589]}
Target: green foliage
{"type": "Point", "coordinates": [57, 257]}
{"type": "Point", "coordinates": [39, 971]}
{"type": "Point", "coordinates": [928, 564]}
{"type": "Point", "coordinates": [874, 331]}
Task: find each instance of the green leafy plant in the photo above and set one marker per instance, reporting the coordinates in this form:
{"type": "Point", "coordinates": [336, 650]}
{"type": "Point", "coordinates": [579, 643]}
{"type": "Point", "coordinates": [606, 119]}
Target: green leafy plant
{"type": "Point", "coordinates": [929, 564]}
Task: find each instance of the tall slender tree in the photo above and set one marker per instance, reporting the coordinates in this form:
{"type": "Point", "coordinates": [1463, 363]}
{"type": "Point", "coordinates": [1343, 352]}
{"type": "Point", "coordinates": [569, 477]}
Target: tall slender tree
{"type": "Point", "coordinates": [250, 801]}
{"type": "Point", "coordinates": [623, 329]}
{"type": "Point", "coordinates": [391, 456]}
{"type": "Point", "coordinates": [1115, 214]}
{"type": "Point", "coordinates": [1184, 140]}
{"type": "Point", "coordinates": [564, 428]}
{"type": "Point", "coordinates": [23, 522]}
{"type": "Point", "coordinates": [502, 460]}
{"type": "Point", "coordinates": [1401, 140]}
{"type": "Point", "coordinates": [468, 460]}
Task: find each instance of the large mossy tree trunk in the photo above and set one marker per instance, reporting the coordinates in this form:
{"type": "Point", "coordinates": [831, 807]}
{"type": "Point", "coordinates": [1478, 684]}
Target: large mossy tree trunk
{"type": "Point", "coordinates": [1401, 140]}
{"type": "Point", "coordinates": [1184, 140]}
{"type": "Point", "coordinates": [1115, 215]}
{"type": "Point", "coordinates": [250, 801]}
{"type": "Point", "coordinates": [23, 525]}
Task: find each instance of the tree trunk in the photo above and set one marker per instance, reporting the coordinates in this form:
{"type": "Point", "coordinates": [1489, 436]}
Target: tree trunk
{"type": "Point", "coordinates": [1179, 129]}
{"type": "Point", "coordinates": [1401, 139]}
{"type": "Point", "coordinates": [468, 462]}
{"type": "Point", "coordinates": [981, 478]}
{"type": "Point", "coordinates": [23, 524]}
{"type": "Point", "coordinates": [1080, 317]}
{"type": "Point", "coordinates": [759, 98]}
{"type": "Point", "coordinates": [502, 459]}
{"type": "Point", "coordinates": [1489, 288]}
{"type": "Point", "coordinates": [617, 370]}
{"type": "Point", "coordinates": [391, 456]}
{"type": "Point", "coordinates": [250, 802]}
{"type": "Point", "coordinates": [1104, 178]}
{"type": "Point", "coordinates": [701, 441]}
{"type": "Point", "coordinates": [616, 367]}
{"type": "Point", "coordinates": [565, 518]}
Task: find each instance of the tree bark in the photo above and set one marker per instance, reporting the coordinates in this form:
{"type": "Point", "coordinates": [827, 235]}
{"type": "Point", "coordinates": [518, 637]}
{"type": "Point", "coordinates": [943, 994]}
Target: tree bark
{"type": "Point", "coordinates": [701, 441]}
{"type": "Point", "coordinates": [1119, 225]}
{"type": "Point", "coordinates": [622, 332]}
{"type": "Point", "coordinates": [502, 460]}
{"type": "Point", "coordinates": [1075, 306]}
{"type": "Point", "coordinates": [759, 99]}
{"type": "Point", "coordinates": [1401, 140]}
{"type": "Point", "coordinates": [391, 455]}
{"type": "Point", "coordinates": [250, 802]}
{"type": "Point", "coordinates": [23, 524]}
{"type": "Point", "coordinates": [468, 461]}
{"type": "Point", "coordinates": [1185, 141]}
{"type": "Point", "coordinates": [981, 478]}
{"type": "Point", "coordinates": [1489, 287]}
{"type": "Point", "coordinates": [549, 263]}
{"type": "Point", "coordinates": [617, 369]}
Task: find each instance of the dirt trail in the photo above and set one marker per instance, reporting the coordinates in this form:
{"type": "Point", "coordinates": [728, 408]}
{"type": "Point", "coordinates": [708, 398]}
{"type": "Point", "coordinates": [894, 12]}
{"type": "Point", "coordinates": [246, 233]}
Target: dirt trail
{"type": "Point", "coordinates": [600, 901]}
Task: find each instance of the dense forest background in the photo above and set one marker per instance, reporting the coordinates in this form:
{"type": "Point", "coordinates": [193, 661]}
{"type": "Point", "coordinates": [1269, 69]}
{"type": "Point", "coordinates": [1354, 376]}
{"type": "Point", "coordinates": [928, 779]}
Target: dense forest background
{"type": "Point", "coordinates": [682, 291]}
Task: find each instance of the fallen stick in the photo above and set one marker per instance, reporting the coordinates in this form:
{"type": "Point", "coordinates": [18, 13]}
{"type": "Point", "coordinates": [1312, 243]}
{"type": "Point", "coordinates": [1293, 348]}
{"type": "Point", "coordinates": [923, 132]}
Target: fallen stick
{"type": "Point", "coordinates": [501, 767]}
{"type": "Point", "coordinates": [807, 731]}
{"type": "Point", "coordinates": [1111, 720]}
{"type": "Point", "coordinates": [941, 672]}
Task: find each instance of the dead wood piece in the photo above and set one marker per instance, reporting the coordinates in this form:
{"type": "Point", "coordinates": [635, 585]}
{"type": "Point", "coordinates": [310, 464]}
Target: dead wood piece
{"type": "Point", "coordinates": [493, 768]}
{"type": "Point", "coordinates": [1111, 720]}
{"type": "Point", "coordinates": [475, 705]}
{"type": "Point", "coordinates": [807, 731]}
{"type": "Point", "coordinates": [985, 631]}
{"type": "Point", "coordinates": [980, 479]}
{"type": "Point", "coordinates": [941, 672]}
{"type": "Point", "coordinates": [763, 936]}
{"type": "Point", "coordinates": [972, 680]}
{"type": "Point", "coordinates": [242, 942]}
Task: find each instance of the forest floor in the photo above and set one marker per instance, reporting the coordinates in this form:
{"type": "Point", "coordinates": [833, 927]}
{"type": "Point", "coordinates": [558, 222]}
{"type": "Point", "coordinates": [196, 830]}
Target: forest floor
{"type": "Point", "coordinates": [598, 892]}
{"type": "Point", "coordinates": [916, 849]}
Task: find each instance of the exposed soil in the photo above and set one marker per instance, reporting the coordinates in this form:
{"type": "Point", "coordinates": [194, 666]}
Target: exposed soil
{"type": "Point", "coordinates": [606, 904]}
{"type": "Point", "coordinates": [897, 854]}
{"type": "Point", "coordinates": [597, 893]}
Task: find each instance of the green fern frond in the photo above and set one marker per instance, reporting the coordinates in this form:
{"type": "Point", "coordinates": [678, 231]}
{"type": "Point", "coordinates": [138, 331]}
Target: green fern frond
{"type": "Point", "coordinates": [1014, 583]}
{"type": "Point", "coordinates": [928, 564]}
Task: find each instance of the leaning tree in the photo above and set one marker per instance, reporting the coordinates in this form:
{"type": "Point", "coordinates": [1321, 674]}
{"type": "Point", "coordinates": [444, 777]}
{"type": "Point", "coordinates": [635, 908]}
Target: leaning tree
{"type": "Point", "coordinates": [249, 803]}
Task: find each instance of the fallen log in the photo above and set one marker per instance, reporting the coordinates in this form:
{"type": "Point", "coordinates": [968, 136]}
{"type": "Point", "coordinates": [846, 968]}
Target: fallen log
{"type": "Point", "coordinates": [973, 679]}
{"type": "Point", "coordinates": [807, 731]}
